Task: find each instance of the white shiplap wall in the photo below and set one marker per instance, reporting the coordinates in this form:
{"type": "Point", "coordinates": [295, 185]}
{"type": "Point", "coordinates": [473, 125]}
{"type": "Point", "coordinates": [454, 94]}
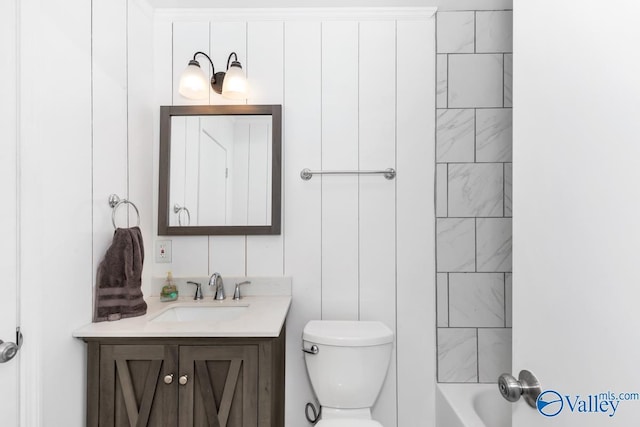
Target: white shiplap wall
{"type": "Point", "coordinates": [94, 132]}
{"type": "Point", "coordinates": [356, 88]}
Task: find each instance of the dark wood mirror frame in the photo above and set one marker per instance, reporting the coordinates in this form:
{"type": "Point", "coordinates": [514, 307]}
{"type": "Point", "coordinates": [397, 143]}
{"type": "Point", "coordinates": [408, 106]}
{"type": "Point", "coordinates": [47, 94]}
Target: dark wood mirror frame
{"type": "Point", "coordinates": [166, 113]}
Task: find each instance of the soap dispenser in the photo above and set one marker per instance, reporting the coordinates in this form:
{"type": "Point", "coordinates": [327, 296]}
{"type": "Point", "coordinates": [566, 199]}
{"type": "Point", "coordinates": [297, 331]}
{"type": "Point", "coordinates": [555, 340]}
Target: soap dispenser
{"type": "Point", "coordinates": [169, 290]}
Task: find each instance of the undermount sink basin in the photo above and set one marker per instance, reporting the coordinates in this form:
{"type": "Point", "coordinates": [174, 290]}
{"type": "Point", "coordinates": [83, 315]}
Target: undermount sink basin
{"type": "Point", "coordinates": [194, 313]}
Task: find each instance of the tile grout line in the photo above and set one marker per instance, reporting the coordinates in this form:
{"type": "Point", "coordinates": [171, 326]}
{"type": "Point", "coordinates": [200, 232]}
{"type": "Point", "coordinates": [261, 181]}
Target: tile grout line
{"type": "Point", "coordinates": [448, 302]}
{"type": "Point", "coordinates": [475, 29]}
{"type": "Point", "coordinates": [477, 355]}
{"type": "Point", "coordinates": [504, 296]}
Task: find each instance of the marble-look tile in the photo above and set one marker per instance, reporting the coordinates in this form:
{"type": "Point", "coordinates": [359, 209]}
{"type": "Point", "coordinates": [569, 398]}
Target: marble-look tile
{"type": "Point", "coordinates": [457, 355]}
{"type": "Point", "coordinates": [455, 244]}
{"type": "Point", "coordinates": [508, 299]}
{"type": "Point", "coordinates": [441, 190]}
{"type": "Point", "coordinates": [494, 354]}
{"type": "Point", "coordinates": [508, 80]}
{"type": "Point", "coordinates": [455, 32]}
{"type": "Point", "coordinates": [455, 135]}
{"type": "Point", "coordinates": [476, 299]}
{"type": "Point", "coordinates": [475, 189]}
{"type": "Point", "coordinates": [494, 134]}
{"type": "Point", "coordinates": [441, 81]}
{"type": "Point", "coordinates": [475, 81]}
{"type": "Point", "coordinates": [494, 244]}
{"type": "Point", "coordinates": [494, 31]}
{"type": "Point", "coordinates": [508, 189]}
{"type": "Point", "coordinates": [442, 299]}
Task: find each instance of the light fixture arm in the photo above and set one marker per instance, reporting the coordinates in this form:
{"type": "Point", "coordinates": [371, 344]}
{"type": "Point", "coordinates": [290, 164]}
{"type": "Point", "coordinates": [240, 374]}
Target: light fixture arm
{"type": "Point", "coordinates": [213, 69]}
{"type": "Point", "coordinates": [216, 78]}
{"type": "Point", "coordinates": [193, 79]}
{"type": "Point", "coordinates": [235, 61]}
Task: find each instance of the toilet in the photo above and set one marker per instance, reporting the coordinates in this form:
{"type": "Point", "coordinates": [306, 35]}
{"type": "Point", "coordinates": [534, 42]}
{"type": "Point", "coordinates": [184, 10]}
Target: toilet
{"type": "Point", "coordinates": [347, 362]}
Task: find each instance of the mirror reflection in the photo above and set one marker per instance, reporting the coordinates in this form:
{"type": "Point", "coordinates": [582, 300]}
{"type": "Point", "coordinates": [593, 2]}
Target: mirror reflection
{"type": "Point", "coordinates": [220, 171]}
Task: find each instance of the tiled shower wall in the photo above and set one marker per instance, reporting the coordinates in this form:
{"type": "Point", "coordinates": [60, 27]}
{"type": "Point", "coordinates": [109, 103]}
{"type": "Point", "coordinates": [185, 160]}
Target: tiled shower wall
{"type": "Point", "coordinates": [473, 195]}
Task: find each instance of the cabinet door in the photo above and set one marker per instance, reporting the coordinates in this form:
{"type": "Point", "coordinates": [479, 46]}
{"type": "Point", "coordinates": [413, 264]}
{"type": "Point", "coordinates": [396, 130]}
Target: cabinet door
{"type": "Point", "coordinates": [221, 388]}
{"type": "Point", "coordinates": [132, 387]}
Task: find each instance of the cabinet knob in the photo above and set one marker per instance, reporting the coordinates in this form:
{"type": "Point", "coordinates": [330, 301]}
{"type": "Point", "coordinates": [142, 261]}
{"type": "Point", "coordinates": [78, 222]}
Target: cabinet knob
{"type": "Point", "coordinates": [168, 379]}
{"type": "Point", "coordinates": [183, 380]}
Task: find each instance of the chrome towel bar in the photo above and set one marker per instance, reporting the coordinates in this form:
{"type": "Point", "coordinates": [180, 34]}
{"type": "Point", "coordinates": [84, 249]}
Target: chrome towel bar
{"type": "Point", "coordinates": [307, 174]}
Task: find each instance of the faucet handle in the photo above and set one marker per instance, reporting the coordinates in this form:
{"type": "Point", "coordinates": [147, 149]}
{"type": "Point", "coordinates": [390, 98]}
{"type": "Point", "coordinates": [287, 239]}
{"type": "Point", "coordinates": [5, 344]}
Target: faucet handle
{"type": "Point", "coordinates": [236, 293]}
{"type": "Point", "coordinates": [198, 294]}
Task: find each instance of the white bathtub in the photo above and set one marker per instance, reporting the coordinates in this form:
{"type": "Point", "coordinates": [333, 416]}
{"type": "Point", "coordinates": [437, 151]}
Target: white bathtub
{"type": "Point", "coordinates": [471, 405]}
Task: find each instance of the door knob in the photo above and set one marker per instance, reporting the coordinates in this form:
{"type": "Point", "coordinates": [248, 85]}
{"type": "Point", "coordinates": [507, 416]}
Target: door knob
{"type": "Point", "coordinates": [183, 380]}
{"type": "Point", "coordinates": [168, 379]}
{"type": "Point", "coordinates": [8, 350]}
{"type": "Point", "coordinates": [527, 386]}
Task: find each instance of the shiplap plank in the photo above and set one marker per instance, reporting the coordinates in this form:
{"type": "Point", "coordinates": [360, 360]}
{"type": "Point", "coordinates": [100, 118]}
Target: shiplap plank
{"type": "Point", "coordinates": [190, 254]}
{"type": "Point", "coordinates": [178, 162]}
{"type": "Point", "coordinates": [377, 129]}
{"type": "Point", "coordinates": [163, 95]}
{"type": "Point", "coordinates": [415, 218]}
{"type": "Point", "coordinates": [141, 106]}
{"type": "Point", "coordinates": [265, 71]}
{"type": "Point", "coordinates": [110, 135]}
{"type": "Point", "coordinates": [302, 200]}
{"type": "Point", "coordinates": [189, 38]}
{"type": "Point", "coordinates": [340, 287]}
{"type": "Point", "coordinates": [227, 37]}
{"type": "Point", "coordinates": [191, 170]}
{"type": "Point", "coordinates": [227, 253]}
{"type": "Point", "coordinates": [226, 256]}
{"type": "Point", "coordinates": [259, 147]}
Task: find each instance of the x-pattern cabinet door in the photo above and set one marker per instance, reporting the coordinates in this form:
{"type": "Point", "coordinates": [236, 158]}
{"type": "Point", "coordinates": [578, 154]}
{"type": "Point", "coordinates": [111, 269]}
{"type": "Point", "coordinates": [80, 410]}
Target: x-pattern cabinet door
{"type": "Point", "coordinates": [133, 390]}
{"type": "Point", "coordinates": [218, 386]}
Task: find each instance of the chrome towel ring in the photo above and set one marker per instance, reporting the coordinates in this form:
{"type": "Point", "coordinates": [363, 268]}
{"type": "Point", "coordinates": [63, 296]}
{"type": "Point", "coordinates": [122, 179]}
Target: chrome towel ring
{"type": "Point", "coordinates": [115, 202]}
{"type": "Point", "coordinates": [177, 209]}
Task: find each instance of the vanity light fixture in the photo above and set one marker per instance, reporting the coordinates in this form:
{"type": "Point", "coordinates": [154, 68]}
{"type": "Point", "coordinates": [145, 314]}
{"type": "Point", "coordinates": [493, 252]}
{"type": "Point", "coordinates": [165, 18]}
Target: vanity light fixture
{"type": "Point", "coordinates": [231, 84]}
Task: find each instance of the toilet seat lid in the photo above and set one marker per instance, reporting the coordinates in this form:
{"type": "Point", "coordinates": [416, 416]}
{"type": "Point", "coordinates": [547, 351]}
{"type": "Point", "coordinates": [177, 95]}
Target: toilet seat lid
{"type": "Point", "coordinates": [348, 422]}
{"type": "Point", "coordinates": [347, 333]}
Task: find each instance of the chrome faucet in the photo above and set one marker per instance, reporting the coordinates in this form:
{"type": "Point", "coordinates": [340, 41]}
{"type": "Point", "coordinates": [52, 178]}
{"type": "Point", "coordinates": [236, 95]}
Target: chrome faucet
{"type": "Point", "coordinates": [216, 280]}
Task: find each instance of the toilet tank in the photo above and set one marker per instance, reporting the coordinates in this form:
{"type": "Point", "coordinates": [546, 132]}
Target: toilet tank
{"type": "Point", "coordinates": [351, 363]}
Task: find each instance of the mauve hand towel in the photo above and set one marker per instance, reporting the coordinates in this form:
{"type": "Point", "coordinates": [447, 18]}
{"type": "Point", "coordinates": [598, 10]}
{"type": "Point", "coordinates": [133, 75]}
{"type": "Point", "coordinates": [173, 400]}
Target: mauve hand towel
{"type": "Point", "coordinates": [119, 289]}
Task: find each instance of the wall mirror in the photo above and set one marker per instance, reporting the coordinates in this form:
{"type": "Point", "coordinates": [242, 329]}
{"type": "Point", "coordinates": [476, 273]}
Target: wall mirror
{"type": "Point", "coordinates": [220, 170]}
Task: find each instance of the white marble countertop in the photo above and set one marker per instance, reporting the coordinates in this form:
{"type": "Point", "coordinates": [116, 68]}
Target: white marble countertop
{"type": "Point", "coordinates": [264, 317]}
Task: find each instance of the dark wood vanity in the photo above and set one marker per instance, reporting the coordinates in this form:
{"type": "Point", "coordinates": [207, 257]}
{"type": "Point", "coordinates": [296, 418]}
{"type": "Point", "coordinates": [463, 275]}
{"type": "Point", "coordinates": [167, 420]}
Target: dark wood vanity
{"type": "Point", "coordinates": [168, 382]}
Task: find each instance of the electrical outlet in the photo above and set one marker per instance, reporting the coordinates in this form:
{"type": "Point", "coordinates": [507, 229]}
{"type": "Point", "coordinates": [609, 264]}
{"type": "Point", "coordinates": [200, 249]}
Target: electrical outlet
{"type": "Point", "coordinates": [163, 251]}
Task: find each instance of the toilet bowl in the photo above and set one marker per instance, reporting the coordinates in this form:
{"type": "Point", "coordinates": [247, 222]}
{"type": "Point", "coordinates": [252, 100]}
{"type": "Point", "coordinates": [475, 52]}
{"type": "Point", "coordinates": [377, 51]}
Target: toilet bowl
{"type": "Point", "coordinates": [347, 362]}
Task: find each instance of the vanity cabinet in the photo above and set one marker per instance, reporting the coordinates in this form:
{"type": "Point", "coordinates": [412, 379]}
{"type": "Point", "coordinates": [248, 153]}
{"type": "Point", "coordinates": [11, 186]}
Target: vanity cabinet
{"type": "Point", "coordinates": [218, 382]}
